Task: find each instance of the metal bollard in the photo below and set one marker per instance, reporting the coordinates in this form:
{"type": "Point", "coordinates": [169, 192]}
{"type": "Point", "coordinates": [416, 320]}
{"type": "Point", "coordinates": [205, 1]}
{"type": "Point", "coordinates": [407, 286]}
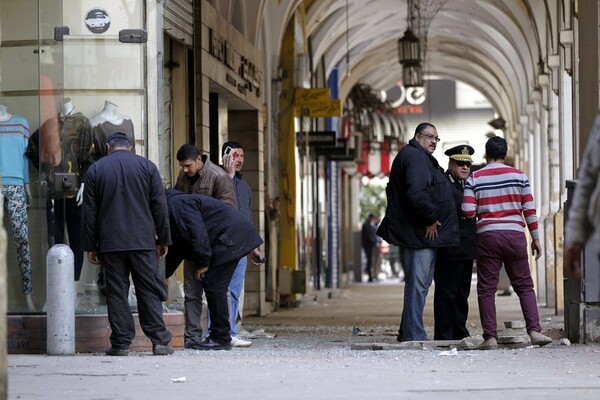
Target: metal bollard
{"type": "Point", "coordinates": [60, 301]}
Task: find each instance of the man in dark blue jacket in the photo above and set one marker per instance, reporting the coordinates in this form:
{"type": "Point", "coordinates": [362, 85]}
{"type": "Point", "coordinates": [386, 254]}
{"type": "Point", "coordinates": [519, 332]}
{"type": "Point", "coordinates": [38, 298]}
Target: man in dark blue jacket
{"type": "Point", "coordinates": [420, 218]}
{"type": "Point", "coordinates": [214, 236]}
{"type": "Point", "coordinates": [454, 265]}
{"type": "Point", "coordinates": [125, 226]}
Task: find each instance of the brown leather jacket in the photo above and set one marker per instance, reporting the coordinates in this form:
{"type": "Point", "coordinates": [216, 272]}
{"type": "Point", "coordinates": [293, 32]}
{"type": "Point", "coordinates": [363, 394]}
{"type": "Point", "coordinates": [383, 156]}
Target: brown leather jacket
{"type": "Point", "coordinates": [212, 181]}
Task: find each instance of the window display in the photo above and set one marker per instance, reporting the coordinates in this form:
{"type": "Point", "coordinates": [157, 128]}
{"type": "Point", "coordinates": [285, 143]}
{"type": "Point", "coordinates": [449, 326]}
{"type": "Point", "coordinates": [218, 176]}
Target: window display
{"type": "Point", "coordinates": [15, 194]}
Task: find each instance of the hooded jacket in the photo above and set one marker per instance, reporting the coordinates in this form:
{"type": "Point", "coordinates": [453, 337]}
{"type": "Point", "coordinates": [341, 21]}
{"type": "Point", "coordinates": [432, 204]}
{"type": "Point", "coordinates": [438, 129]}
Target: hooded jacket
{"type": "Point", "coordinates": [418, 194]}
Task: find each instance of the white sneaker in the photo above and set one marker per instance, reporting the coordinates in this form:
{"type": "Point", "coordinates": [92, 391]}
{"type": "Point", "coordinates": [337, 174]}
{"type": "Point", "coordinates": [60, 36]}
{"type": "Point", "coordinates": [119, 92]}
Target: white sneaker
{"type": "Point", "coordinates": [237, 341]}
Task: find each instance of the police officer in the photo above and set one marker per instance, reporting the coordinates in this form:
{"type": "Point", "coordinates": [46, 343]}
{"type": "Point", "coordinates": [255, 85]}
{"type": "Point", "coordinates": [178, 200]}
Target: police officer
{"type": "Point", "coordinates": [454, 265]}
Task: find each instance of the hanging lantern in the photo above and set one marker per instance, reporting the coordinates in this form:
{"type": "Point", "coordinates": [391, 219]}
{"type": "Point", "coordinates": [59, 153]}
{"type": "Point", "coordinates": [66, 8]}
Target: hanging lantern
{"type": "Point", "coordinates": [412, 75]}
{"type": "Point", "coordinates": [409, 49]}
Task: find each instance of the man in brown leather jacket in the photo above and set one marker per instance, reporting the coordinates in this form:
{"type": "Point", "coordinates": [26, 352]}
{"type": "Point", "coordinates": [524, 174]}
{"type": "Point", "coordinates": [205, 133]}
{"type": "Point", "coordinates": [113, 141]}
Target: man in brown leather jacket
{"type": "Point", "coordinates": [199, 176]}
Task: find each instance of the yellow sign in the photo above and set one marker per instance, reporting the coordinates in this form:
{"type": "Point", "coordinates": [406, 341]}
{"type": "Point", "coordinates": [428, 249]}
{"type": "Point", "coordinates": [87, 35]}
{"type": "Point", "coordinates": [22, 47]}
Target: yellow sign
{"type": "Point", "coordinates": [332, 109]}
{"type": "Point", "coordinates": [309, 97]}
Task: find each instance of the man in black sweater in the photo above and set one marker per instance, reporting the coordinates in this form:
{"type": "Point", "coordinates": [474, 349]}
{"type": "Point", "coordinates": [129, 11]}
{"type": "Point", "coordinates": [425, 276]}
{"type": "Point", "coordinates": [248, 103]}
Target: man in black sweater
{"type": "Point", "coordinates": [215, 237]}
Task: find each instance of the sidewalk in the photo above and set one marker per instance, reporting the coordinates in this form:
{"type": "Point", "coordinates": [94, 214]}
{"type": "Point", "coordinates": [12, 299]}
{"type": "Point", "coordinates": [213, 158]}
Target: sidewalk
{"type": "Point", "coordinates": [310, 357]}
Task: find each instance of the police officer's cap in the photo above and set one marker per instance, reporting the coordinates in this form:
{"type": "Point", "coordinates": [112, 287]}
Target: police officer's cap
{"type": "Point", "coordinates": [462, 152]}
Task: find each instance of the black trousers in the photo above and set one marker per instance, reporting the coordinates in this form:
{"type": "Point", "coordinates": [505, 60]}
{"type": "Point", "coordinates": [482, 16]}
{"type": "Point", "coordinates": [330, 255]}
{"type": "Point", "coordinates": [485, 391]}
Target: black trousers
{"type": "Point", "coordinates": [216, 284]}
{"type": "Point", "coordinates": [150, 290]}
{"type": "Point", "coordinates": [369, 256]}
{"type": "Point", "coordinates": [451, 299]}
{"type": "Point", "coordinates": [65, 211]}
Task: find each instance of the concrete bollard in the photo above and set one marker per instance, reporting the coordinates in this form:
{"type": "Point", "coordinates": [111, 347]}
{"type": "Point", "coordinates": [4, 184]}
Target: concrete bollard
{"type": "Point", "coordinates": [60, 301]}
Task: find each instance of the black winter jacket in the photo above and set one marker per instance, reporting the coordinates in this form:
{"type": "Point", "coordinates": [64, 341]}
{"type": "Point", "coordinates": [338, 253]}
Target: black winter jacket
{"type": "Point", "coordinates": [418, 194]}
{"type": "Point", "coordinates": [466, 249]}
{"type": "Point", "coordinates": [207, 231]}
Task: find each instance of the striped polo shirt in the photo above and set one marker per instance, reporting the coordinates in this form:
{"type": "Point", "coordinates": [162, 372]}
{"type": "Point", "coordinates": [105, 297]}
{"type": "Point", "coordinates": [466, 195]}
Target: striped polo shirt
{"type": "Point", "coordinates": [500, 196]}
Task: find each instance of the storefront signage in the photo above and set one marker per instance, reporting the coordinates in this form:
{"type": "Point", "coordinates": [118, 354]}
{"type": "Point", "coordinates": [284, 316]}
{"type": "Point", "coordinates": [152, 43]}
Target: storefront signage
{"type": "Point", "coordinates": [224, 51]}
{"type": "Point", "coordinates": [97, 20]}
{"type": "Point", "coordinates": [331, 109]}
{"type": "Point", "coordinates": [312, 97]}
{"type": "Point", "coordinates": [316, 138]}
{"type": "Point", "coordinates": [414, 96]}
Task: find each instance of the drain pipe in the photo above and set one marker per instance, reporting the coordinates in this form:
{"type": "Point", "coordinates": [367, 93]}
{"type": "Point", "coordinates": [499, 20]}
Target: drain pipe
{"type": "Point", "coordinates": [60, 301]}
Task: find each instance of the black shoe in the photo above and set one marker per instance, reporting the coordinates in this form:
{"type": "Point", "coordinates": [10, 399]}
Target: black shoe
{"type": "Point", "coordinates": [210, 344]}
{"type": "Point", "coordinates": [189, 343]}
{"type": "Point", "coordinates": [117, 352]}
{"type": "Point", "coordinates": [162, 350]}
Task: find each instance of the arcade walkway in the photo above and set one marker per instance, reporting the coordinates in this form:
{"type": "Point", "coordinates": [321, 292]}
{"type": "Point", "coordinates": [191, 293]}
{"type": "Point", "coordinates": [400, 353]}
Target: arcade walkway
{"type": "Point", "coordinates": [306, 354]}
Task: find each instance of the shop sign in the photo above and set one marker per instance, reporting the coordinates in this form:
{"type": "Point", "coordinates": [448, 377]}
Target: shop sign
{"type": "Point", "coordinates": [331, 109]}
{"type": "Point", "coordinates": [97, 20]}
{"type": "Point", "coordinates": [311, 97]}
{"type": "Point", "coordinates": [225, 52]}
{"type": "Point", "coordinates": [316, 138]}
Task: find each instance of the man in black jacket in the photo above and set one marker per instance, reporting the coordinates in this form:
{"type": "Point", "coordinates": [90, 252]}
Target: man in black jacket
{"type": "Point", "coordinates": [420, 218]}
{"type": "Point", "coordinates": [125, 226]}
{"type": "Point", "coordinates": [454, 265]}
{"type": "Point", "coordinates": [369, 242]}
{"type": "Point", "coordinates": [214, 236]}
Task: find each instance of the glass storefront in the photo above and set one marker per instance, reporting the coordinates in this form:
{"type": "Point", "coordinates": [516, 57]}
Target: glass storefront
{"type": "Point", "coordinates": [73, 72]}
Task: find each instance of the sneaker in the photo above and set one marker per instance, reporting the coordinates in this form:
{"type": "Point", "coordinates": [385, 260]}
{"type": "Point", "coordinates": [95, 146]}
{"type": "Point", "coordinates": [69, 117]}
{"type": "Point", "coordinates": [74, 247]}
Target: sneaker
{"type": "Point", "coordinates": [488, 344]}
{"type": "Point", "coordinates": [539, 339]}
{"type": "Point", "coordinates": [162, 350]}
{"type": "Point", "coordinates": [237, 341]}
{"type": "Point", "coordinates": [113, 351]}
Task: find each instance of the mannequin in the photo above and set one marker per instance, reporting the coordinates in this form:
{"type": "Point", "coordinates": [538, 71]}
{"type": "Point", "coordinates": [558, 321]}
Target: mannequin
{"type": "Point", "coordinates": [76, 149]}
{"type": "Point", "coordinates": [4, 115]}
{"type": "Point", "coordinates": [108, 122]}
{"type": "Point", "coordinates": [15, 194]}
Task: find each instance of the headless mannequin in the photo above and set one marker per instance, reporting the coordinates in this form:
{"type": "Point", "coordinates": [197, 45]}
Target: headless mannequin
{"type": "Point", "coordinates": [108, 122]}
{"type": "Point", "coordinates": [63, 208]}
{"type": "Point", "coordinates": [4, 115]}
{"type": "Point", "coordinates": [67, 107]}
{"type": "Point", "coordinates": [108, 113]}
{"type": "Point", "coordinates": [18, 215]}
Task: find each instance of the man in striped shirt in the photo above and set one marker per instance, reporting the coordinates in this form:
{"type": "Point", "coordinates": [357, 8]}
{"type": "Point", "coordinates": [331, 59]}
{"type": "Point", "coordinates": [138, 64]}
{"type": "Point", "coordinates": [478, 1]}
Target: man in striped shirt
{"type": "Point", "coordinates": [501, 199]}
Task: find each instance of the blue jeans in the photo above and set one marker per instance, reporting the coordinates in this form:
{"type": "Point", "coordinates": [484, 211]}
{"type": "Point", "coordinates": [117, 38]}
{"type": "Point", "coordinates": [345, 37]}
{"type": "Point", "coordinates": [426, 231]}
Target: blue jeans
{"type": "Point", "coordinates": [419, 266]}
{"type": "Point", "coordinates": [233, 294]}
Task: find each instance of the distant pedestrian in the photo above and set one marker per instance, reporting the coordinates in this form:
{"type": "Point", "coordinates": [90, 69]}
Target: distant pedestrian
{"type": "Point", "coordinates": [454, 265]}
{"type": "Point", "coordinates": [583, 220]}
{"type": "Point", "coordinates": [125, 227]}
{"type": "Point", "coordinates": [369, 243]}
{"type": "Point", "coordinates": [420, 218]}
{"type": "Point", "coordinates": [500, 197]}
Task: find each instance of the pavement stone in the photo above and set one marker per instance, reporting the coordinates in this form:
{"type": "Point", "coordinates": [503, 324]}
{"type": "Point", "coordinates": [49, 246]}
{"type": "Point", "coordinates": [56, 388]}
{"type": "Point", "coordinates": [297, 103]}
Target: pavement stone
{"type": "Point", "coordinates": [306, 353]}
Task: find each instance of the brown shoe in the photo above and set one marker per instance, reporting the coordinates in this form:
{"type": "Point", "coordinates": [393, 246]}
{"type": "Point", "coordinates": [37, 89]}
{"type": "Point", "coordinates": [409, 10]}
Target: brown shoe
{"type": "Point", "coordinates": [488, 344]}
{"type": "Point", "coordinates": [538, 339]}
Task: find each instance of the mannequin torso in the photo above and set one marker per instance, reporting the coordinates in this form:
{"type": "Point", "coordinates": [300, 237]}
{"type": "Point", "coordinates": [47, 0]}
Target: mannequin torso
{"type": "Point", "coordinates": [108, 114]}
{"type": "Point", "coordinates": [4, 114]}
{"type": "Point", "coordinates": [67, 107]}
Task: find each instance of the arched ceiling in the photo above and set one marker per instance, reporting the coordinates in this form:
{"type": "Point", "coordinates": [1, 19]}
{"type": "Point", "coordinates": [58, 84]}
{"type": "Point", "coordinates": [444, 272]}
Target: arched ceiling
{"type": "Point", "coordinates": [493, 45]}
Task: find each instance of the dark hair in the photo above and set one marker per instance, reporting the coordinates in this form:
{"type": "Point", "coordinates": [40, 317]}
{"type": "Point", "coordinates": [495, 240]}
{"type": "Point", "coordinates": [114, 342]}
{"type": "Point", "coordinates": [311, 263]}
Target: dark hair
{"type": "Point", "coordinates": [119, 143]}
{"type": "Point", "coordinates": [188, 151]}
{"type": "Point", "coordinates": [496, 148]}
{"type": "Point", "coordinates": [232, 144]}
{"type": "Point", "coordinates": [421, 127]}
